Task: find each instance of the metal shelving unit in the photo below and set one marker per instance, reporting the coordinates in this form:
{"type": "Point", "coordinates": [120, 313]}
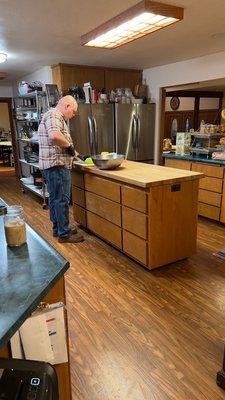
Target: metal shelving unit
{"type": "Point", "coordinates": [208, 150]}
{"type": "Point", "coordinates": [28, 110]}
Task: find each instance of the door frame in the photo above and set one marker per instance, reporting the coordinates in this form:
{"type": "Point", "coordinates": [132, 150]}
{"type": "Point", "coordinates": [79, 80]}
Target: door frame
{"type": "Point", "coordinates": [8, 100]}
{"type": "Point", "coordinates": [192, 93]}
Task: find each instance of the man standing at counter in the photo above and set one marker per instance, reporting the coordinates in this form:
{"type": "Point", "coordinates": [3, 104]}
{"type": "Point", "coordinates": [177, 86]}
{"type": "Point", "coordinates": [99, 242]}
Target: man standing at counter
{"type": "Point", "coordinates": [56, 154]}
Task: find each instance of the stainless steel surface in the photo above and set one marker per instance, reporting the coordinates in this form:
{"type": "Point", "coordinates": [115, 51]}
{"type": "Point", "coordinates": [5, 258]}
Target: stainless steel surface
{"type": "Point", "coordinates": [146, 131]}
{"type": "Point", "coordinates": [135, 130]}
{"type": "Point", "coordinates": [125, 125]}
{"type": "Point", "coordinates": [79, 129]}
{"type": "Point", "coordinates": [109, 161]}
{"type": "Point", "coordinates": [92, 129]}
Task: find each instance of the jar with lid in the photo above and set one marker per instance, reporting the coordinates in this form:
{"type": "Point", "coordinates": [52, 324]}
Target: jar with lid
{"type": "Point", "coordinates": [15, 226]}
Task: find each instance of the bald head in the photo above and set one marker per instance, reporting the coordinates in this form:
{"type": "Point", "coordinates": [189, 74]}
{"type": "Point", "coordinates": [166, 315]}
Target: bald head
{"type": "Point", "coordinates": [68, 106]}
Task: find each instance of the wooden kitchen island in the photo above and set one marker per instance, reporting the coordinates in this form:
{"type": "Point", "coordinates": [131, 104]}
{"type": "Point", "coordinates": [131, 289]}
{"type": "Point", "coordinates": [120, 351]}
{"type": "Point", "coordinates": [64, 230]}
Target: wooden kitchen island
{"type": "Point", "coordinates": [147, 211]}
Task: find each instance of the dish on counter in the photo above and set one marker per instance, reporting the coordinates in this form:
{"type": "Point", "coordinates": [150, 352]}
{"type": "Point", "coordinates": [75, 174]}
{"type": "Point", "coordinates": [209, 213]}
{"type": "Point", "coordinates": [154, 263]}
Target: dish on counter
{"type": "Point", "coordinates": [108, 161]}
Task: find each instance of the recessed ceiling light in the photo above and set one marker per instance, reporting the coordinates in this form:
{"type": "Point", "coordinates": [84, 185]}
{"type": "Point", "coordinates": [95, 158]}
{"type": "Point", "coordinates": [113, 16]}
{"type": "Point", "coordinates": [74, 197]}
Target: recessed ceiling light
{"type": "Point", "coordinates": [3, 57]}
{"type": "Point", "coordinates": [140, 20]}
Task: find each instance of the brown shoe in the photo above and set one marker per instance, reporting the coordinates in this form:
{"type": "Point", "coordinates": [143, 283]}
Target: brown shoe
{"type": "Point", "coordinates": [72, 238]}
{"type": "Point", "coordinates": [73, 231]}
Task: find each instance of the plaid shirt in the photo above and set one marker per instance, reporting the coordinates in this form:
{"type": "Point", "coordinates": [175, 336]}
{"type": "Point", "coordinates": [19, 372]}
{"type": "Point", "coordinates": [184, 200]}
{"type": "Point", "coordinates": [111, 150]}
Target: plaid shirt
{"type": "Point", "coordinates": [51, 155]}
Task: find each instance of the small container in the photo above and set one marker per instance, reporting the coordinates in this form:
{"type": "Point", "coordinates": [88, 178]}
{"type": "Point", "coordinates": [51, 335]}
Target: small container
{"type": "Point", "coordinates": [15, 226]}
{"type": "Point", "coordinates": [3, 210]}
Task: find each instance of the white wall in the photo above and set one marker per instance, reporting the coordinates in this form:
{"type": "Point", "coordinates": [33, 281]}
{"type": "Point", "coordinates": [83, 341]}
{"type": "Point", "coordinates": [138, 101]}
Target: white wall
{"type": "Point", "coordinates": [43, 75]}
{"type": "Point", "coordinates": [194, 70]}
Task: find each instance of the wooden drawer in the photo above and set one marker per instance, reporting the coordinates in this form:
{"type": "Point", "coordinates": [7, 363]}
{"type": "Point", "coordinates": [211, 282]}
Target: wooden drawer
{"type": "Point", "coordinates": [208, 170]}
{"type": "Point", "coordinates": [179, 164]}
{"type": "Point", "coordinates": [211, 184]}
{"type": "Point", "coordinates": [79, 215]}
{"type": "Point", "coordinates": [78, 179]}
{"type": "Point", "coordinates": [102, 187]}
{"type": "Point", "coordinates": [134, 198]}
{"type": "Point", "coordinates": [104, 208]}
{"type": "Point", "coordinates": [135, 247]}
{"type": "Point", "coordinates": [213, 198]}
{"type": "Point", "coordinates": [209, 211]}
{"type": "Point", "coordinates": [105, 229]}
{"type": "Point", "coordinates": [134, 222]}
{"type": "Point", "coordinates": [78, 196]}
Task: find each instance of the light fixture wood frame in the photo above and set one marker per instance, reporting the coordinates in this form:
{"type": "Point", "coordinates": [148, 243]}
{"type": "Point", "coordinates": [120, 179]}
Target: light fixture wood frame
{"type": "Point", "coordinates": [154, 7]}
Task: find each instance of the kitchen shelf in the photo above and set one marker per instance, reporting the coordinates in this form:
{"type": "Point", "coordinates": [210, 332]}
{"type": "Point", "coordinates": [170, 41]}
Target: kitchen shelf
{"type": "Point", "coordinates": [35, 190]}
{"type": "Point", "coordinates": [36, 165]}
{"type": "Point", "coordinates": [198, 135]}
{"type": "Point", "coordinates": [25, 108]}
{"type": "Point", "coordinates": [27, 140]}
{"type": "Point", "coordinates": [26, 120]}
{"type": "Point", "coordinates": [203, 151]}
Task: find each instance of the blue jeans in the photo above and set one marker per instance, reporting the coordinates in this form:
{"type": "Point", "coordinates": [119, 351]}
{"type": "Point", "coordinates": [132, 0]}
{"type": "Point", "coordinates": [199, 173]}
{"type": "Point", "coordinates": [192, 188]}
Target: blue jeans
{"type": "Point", "coordinates": [58, 180]}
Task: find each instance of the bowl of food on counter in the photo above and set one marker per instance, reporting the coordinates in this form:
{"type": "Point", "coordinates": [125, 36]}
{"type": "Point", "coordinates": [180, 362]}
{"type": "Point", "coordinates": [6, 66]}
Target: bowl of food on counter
{"type": "Point", "coordinates": [107, 160]}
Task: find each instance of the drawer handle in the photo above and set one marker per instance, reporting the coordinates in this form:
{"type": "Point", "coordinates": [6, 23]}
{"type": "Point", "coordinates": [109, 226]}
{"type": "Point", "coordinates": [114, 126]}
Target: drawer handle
{"type": "Point", "coordinates": [175, 187]}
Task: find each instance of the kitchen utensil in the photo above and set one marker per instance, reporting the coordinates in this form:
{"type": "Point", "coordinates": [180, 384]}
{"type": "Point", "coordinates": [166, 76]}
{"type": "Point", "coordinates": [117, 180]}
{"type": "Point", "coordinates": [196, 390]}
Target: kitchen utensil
{"type": "Point", "coordinates": [109, 161]}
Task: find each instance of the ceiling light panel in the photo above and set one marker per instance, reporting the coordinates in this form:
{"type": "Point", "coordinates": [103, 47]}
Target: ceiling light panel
{"type": "Point", "coordinates": [144, 18]}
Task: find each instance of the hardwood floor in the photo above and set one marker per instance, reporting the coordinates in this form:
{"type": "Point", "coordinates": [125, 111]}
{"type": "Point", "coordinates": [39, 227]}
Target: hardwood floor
{"type": "Point", "coordinates": [136, 334]}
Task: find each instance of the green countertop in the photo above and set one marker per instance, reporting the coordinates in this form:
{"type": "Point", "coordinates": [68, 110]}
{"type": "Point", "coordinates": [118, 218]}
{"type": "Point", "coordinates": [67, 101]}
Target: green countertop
{"type": "Point", "coordinates": [192, 158]}
{"type": "Point", "coordinates": [27, 273]}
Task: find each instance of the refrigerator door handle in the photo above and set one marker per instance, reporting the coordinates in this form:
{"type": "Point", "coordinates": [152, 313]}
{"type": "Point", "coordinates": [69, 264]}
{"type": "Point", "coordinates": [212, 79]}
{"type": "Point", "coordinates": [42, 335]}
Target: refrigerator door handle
{"type": "Point", "coordinates": [90, 135]}
{"type": "Point", "coordinates": [138, 132]}
{"type": "Point", "coordinates": [134, 131]}
{"type": "Point", "coordinates": [95, 130]}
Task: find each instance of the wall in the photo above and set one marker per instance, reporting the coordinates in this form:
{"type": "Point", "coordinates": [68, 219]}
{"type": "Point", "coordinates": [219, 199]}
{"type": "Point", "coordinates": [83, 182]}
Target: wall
{"type": "Point", "coordinates": [194, 70]}
{"type": "Point", "coordinates": [4, 117]}
{"type": "Point", "coordinates": [6, 90]}
{"type": "Point", "coordinates": [43, 75]}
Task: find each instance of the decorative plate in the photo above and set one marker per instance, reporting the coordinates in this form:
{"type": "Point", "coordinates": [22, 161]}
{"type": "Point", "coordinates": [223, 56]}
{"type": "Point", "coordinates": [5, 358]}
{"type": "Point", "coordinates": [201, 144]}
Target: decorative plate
{"type": "Point", "coordinates": [174, 103]}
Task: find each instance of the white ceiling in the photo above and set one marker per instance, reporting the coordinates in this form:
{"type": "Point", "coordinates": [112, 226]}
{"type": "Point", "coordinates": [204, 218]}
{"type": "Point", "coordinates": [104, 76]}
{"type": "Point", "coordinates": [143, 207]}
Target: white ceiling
{"type": "Point", "coordinates": [45, 32]}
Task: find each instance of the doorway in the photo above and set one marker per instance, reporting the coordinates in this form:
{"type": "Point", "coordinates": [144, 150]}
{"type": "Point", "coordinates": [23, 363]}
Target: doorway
{"type": "Point", "coordinates": [8, 145]}
{"type": "Point", "coordinates": [193, 102]}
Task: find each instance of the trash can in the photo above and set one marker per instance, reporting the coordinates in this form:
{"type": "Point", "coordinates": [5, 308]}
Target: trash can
{"type": "Point", "coordinates": [27, 380]}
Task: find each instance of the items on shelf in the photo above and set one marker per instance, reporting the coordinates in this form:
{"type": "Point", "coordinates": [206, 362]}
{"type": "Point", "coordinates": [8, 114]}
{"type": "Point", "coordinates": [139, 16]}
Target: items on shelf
{"type": "Point", "coordinates": [183, 142]}
{"type": "Point", "coordinates": [120, 95]}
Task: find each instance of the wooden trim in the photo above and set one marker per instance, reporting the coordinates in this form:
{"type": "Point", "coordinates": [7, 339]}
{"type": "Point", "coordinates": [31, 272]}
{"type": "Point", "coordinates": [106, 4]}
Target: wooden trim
{"type": "Point", "coordinates": [194, 93]}
{"type": "Point", "coordinates": [196, 112]}
{"type": "Point", "coordinates": [162, 124]}
{"type": "Point", "coordinates": [8, 100]}
{"type": "Point", "coordinates": [144, 6]}
{"type": "Point", "coordinates": [95, 67]}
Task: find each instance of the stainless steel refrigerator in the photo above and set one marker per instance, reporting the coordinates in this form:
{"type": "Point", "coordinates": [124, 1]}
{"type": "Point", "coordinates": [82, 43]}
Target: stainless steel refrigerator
{"type": "Point", "coordinates": [135, 131]}
{"type": "Point", "coordinates": [125, 128]}
{"type": "Point", "coordinates": [92, 129]}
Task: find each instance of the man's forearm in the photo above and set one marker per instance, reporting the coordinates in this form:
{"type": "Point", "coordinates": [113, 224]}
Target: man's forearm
{"type": "Point", "coordinates": [59, 140]}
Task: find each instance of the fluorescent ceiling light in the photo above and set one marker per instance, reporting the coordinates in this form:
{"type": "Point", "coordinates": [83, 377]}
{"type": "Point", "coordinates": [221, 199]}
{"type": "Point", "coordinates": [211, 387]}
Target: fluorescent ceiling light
{"type": "Point", "coordinates": [3, 57]}
{"type": "Point", "coordinates": [140, 20]}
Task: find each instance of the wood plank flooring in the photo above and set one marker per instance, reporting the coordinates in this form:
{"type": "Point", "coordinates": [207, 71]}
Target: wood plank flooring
{"type": "Point", "coordinates": [136, 334]}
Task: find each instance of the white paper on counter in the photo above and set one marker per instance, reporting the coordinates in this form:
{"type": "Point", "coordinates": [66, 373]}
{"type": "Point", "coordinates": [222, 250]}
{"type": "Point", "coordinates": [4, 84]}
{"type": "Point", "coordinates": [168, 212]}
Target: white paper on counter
{"type": "Point", "coordinates": [36, 340]}
{"type": "Point", "coordinates": [16, 346]}
{"type": "Point", "coordinates": [57, 333]}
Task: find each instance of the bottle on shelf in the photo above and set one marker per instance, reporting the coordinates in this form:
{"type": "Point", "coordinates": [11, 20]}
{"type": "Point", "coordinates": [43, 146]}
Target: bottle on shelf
{"type": "Point", "coordinates": [187, 126]}
{"type": "Point", "coordinates": [174, 128]}
{"type": "Point", "coordinates": [202, 126]}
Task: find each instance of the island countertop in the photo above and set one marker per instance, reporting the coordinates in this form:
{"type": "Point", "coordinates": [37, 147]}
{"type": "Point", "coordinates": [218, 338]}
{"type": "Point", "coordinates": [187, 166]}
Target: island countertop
{"type": "Point", "coordinates": [142, 174]}
{"type": "Point", "coordinates": [27, 273]}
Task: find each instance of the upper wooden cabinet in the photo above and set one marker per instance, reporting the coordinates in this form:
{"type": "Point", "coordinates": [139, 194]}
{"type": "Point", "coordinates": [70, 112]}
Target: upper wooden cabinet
{"type": "Point", "coordinates": [122, 78]}
{"type": "Point", "coordinates": [66, 75]}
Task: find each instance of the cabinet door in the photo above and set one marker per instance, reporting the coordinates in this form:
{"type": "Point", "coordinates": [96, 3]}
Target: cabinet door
{"type": "Point", "coordinates": [117, 78]}
{"type": "Point", "coordinates": [73, 75]}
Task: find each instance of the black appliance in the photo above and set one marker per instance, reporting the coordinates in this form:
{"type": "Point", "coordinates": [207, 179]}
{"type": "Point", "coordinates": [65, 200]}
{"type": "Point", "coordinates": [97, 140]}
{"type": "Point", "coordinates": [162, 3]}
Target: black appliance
{"type": "Point", "coordinates": [27, 380]}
